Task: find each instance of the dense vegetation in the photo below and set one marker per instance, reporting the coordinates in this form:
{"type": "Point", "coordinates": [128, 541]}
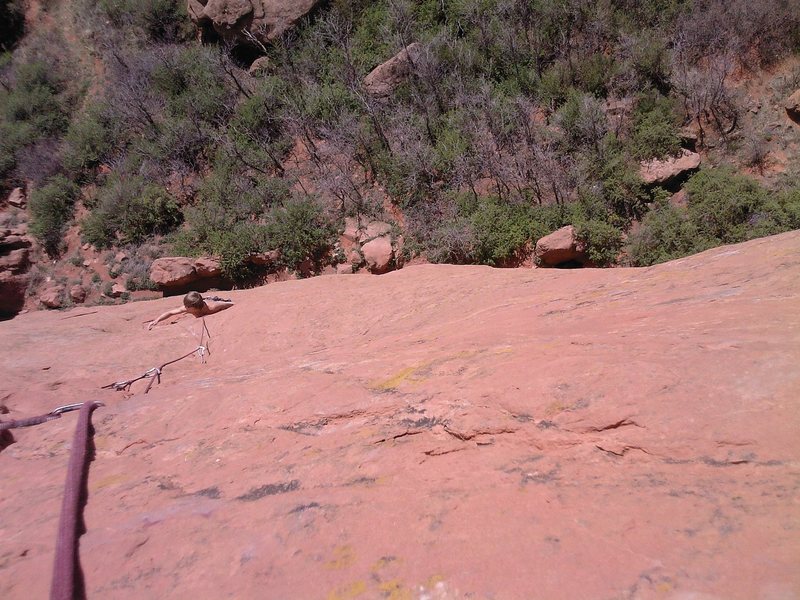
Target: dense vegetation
{"type": "Point", "coordinates": [502, 134]}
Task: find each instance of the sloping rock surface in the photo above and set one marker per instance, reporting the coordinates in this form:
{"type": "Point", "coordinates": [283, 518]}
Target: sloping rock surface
{"type": "Point", "coordinates": [438, 432]}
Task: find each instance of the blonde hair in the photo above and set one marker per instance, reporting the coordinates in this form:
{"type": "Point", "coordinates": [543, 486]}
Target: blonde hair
{"type": "Point", "coordinates": [193, 300]}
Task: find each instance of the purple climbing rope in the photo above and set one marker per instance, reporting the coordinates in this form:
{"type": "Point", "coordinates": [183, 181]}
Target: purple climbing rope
{"type": "Point", "coordinates": [66, 571]}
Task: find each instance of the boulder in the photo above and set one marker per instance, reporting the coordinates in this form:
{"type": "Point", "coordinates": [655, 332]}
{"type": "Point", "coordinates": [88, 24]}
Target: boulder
{"type": "Point", "coordinates": [561, 246]}
{"type": "Point", "coordinates": [77, 293]}
{"type": "Point", "coordinates": [664, 172]}
{"type": "Point", "coordinates": [117, 290]}
{"type": "Point", "coordinates": [178, 272]}
{"type": "Point", "coordinates": [378, 254]}
{"type": "Point", "coordinates": [792, 106]}
{"type": "Point", "coordinates": [52, 297]}
{"type": "Point", "coordinates": [121, 257]}
{"type": "Point", "coordinates": [384, 78]}
{"type": "Point", "coordinates": [266, 20]}
{"type": "Point", "coordinates": [207, 267]}
{"type": "Point", "coordinates": [16, 198]}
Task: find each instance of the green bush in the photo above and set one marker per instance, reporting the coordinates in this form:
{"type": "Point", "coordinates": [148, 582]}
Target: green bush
{"type": "Point", "coordinates": [722, 204]}
{"type": "Point", "coordinates": [301, 230]}
{"type": "Point", "coordinates": [502, 230]}
{"type": "Point", "coordinates": [655, 128]}
{"type": "Point", "coordinates": [51, 209]}
{"type": "Point", "coordinates": [86, 143]}
{"type": "Point", "coordinates": [723, 208]}
{"type": "Point", "coordinates": [129, 210]}
{"type": "Point", "coordinates": [234, 246]}
{"type": "Point", "coordinates": [603, 241]}
{"type": "Point", "coordinates": [593, 73]}
{"type": "Point", "coordinates": [666, 233]}
{"type": "Point", "coordinates": [30, 110]}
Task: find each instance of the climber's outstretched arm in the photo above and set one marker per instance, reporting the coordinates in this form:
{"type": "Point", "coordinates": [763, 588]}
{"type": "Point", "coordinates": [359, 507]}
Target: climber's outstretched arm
{"type": "Point", "coordinates": [167, 315]}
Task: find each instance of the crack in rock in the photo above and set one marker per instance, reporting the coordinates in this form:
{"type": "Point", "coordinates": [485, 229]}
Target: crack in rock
{"type": "Point", "coordinates": [616, 425]}
{"type": "Point", "coordinates": [621, 452]}
{"type": "Point", "coordinates": [466, 436]}
{"type": "Point", "coordinates": [398, 436]}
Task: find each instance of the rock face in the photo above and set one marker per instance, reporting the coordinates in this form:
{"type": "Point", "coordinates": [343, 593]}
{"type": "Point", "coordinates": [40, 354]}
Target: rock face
{"type": "Point", "coordinates": [265, 19]}
{"type": "Point", "coordinates": [792, 106]}
{"type": "Point", "coordinates": [17, 198]}
{"type": "Point", "coordinates": [178, 274]}
{"type": "Point", "coordinates": [664, 172]}
{"type": "Point", "coordinates": [15, 248]}
{"type": "Point", "coordinates": [434, 433]}
{"type": "Point", "coordinates": [561, 246]}
{"type": "Point", "coordinates": [384, 78]}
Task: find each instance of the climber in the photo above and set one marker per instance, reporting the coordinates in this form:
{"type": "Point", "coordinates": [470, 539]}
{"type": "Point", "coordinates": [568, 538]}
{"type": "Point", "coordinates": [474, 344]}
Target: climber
{"type": "Point", "coordinates": [197, 305]}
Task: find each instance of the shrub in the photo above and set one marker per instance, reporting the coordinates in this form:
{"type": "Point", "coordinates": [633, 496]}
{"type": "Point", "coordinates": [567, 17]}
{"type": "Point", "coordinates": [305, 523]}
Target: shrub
{"type": "Point", "coordinates": [301, 230]}
{"type": "Point", "coordinates": [30, 110]}
{"type": "Point", "coordinates": [234, 246]}
{"type": "Point", "coordinates": [722, 204]}
{"type": "Point", "coordinates": [51, 208]}
{"type": "Point", "coordinates": [655, 128]}
{"type": "Point", "coordinates": [86, 142]}
{"type": "Point", "coordinates": [502, 230]}
{"type": "Point", "coordinates": [583, 120]}
{"type": "Point", "coordinates": [593, 73]}
{"type": "Point", "coordinates": [723, 208]}
{"type": "Point", "coordinates": [603, 241]}
{"type": "Point", "coordinates": [666, 233]}
{"type": "Point", "coordinates": [160, 20]}
{"type": "Point", "coordinates": [129, 210]}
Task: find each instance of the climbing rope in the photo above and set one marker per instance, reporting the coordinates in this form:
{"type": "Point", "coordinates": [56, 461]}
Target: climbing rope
{"type": "Point", "coordinates": [53, 414]}
{"type": "Point", "coordinates": [66, 570]}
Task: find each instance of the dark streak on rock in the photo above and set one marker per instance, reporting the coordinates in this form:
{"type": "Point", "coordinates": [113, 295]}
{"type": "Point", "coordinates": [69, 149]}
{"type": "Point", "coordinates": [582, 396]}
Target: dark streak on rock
{"type": "Point", "coordinates": [209, 492]}
{"type": "Point", "coordinates": [270, 489]}
{"type": "Point", "coordinates": [303, 507]}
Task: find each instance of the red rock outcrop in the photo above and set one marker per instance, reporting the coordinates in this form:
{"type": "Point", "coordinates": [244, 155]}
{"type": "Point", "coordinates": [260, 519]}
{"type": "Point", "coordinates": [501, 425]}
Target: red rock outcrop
{"type": "Point", "coordinates": [17, 198]}
{"type": "Point", "coordinates": [666, 171]}
{"type": "Point", "coordinates": [265, 19]}
{"type": "Point", "coordinates": [561, 246]}
{"type": "Point", "coordinates": [384, 78]}
{"type": "Point", "coordinates": [15, 247]}
{"type": "Point", "coordinates": [178, 273]}
{"type": "Point", "coordinates": [441, 431]}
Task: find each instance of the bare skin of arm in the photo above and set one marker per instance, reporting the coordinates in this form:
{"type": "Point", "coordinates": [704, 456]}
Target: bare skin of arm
{"type": "Point", "coordinates": [209, 308]}
{"type": "Point", "coordinates": [167, 315]}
